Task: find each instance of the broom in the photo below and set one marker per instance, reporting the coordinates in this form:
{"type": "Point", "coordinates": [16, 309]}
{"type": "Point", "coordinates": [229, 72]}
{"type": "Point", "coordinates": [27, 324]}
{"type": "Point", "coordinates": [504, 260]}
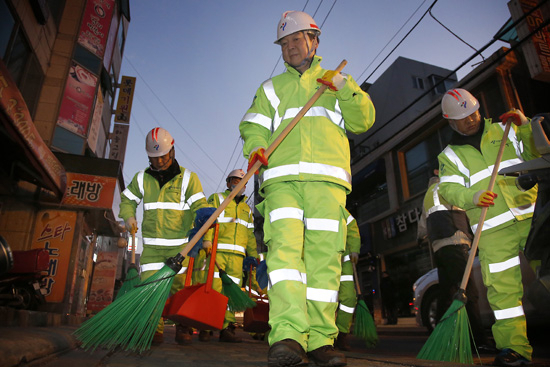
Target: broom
{"type": "Point", "coordinates": [237, 300]}
{"type": "Point", "coordinates": [132, 277]}
{"type": "Point", "coordinates": [129, 322]}
{"type": "Point", "coordinates": [364, 326]}
{"type": "Point", "coordinates": [450, 340]}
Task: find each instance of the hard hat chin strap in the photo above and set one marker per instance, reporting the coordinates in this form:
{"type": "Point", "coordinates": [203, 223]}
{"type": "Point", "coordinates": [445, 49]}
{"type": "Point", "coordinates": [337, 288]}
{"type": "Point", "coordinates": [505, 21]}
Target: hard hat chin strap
{"type": "Point", "coordinates": [310, 51]}
{"type": "Point", "coordinates": [452, 124]}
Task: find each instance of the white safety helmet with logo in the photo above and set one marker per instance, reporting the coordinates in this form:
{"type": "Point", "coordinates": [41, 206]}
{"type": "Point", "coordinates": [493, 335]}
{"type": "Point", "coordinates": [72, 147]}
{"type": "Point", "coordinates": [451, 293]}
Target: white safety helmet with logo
{"type": "Point", "coordinates": [158, 142]}
{"type": "Point", "coordinates": [295, 21]}
{"type": "Point", "coordinates": [458, 103]}
{"type": "Point", "coordinates": [239, 173]}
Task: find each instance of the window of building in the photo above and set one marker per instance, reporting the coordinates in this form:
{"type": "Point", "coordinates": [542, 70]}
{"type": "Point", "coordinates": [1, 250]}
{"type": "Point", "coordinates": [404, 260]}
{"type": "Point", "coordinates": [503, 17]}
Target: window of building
{"type": "Point", "coordinates": [417, 162]}
{"type": "Point", "coordinates": [418, 82]}
{"type": "Point", "coordinates": [443, 86]}
{"type": "Point", "coordinates": [121, 38]}
{"type": "Point", "coordinates": [87, 59]}
{"type": "Point", "coordinates": [370, 197]}
{"type": "Point", "coordinates": [18, 57]}
{"type": "Point", "coordinates": [56, 9]}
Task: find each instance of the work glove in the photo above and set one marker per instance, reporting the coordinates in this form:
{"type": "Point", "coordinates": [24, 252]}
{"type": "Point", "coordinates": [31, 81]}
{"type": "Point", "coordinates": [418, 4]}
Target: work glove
{"type": "Point", "coordinates": [207, 247]}
{"type": "Point", "coordinates": [484, 198]}
{"type": "Point", "coordinates": [131, 225]}
{"type": "Point", "coordinates": [261, 274]}
{"type": "Point", "coordinates": [250, 261]}
{"type": "Point", "coordinates": [517, 117]}
{"type": "Point", "coordinates": [258, 154]}
{"type": "Point", "coordinates": [354, 257]}
{"type": "Point", "coordinates": [201, 216]}
{"type": "Point", "coordinates": [332, 79]}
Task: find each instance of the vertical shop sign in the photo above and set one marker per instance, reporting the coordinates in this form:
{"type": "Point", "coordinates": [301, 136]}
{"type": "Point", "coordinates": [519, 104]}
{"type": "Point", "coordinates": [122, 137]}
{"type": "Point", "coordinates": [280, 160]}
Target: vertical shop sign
{"type": "Point", "coordinates": [103, 282]}
{"type": "Point", "coordinates": [94, 29]}
{"type": "Point", "coordinates": [96, 122]}
{"type": "Point", "coordinates": [54, 231]}
{"type": "Point", "coordinates": [119, 137]}
{"type": "Point", "coordinates": [78, 98]}
{"type": "Point", "coordinates": [125, 98]}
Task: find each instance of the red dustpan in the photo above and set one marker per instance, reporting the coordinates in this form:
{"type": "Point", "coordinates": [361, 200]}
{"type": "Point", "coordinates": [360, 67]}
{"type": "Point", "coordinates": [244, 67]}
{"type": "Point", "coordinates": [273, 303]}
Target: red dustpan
{"type": "Point", "coordinates": [198, 306]}
{"type": "Point", "coordinates": [256, 319]}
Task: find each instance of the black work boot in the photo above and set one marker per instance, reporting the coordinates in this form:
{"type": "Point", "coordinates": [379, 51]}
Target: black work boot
{"type": "Point", "coordinates": [509, 357]}
{"type": "Point", "coordinates": [341, 342]}
{"type": "Point", "coordinates": [327, 356]}
{"type": "Point", "coordinates": [183, 335]}
{"type": "Point", "coordinates": [204, 335]}
{"type": "Point", "coordinates": [286, 353]}
{"type": "Point", "coordinates": [227, 335]}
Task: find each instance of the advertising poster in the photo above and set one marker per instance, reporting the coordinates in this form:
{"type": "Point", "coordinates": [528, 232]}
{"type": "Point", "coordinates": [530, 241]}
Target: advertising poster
{"type": "Point", "coordinates": [78, 99]}
{"type": "Point", "coordinates": [54, 231]}
{"type": "Point", "coordinates": [89, 190]}
{"type": "Point", "coordinates": [96, 122]}
{"type": "Point", "coordinates": [94, 29]}
{"type": "Point", "coordinates": [103, 282]}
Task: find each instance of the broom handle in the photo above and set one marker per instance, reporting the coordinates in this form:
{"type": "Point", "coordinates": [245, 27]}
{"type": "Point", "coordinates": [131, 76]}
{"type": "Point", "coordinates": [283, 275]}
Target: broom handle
{"type": "Point", "coordinates": [356, 279]}
{"type": "Point", "coordinates": [210, 277]}
{"type": "Point", "coordinates": [257, 165]}
{"type": "Point", "coordinates": [484, 210]}
{"type": "Point", "coordinates": [133, 247]}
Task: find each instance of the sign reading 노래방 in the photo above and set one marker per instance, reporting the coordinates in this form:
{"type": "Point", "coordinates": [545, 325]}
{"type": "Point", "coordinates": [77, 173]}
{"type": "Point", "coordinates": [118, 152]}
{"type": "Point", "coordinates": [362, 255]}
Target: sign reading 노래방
{"type": "Point", "coordinates": [89, 190]}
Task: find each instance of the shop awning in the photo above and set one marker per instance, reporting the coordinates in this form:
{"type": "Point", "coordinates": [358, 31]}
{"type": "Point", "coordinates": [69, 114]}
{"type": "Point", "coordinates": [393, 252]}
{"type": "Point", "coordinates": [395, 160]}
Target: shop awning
{"type": "Point", "coordinates": [24, 155]}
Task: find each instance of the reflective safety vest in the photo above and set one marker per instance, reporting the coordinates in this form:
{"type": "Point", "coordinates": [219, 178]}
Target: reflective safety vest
{"type": "Point", "coordinates": [168, 211]}
{"type": "Point", "coordinates": [236, 234]}
{"type": "Point", "coordinates": [317, 149]}
{"type": "Point", "coordinates": [464, 170]}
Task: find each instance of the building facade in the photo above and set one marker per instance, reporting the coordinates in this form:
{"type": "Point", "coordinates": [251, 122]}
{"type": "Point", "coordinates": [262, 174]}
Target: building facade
{"type": "Point", "coordinates": [60, 185]}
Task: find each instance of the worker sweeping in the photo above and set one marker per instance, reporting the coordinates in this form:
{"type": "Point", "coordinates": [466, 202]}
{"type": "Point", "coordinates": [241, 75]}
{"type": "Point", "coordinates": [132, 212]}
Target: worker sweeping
{"type": "Point", "coordinates": [465, 168]}
{"type": "Point", "coordinates": [347, 296]}
{"type": "Point", "coordinates": [236, 240]}
{"type": "Point", "coordinates": [304, 186]}
{"type": "Point", "coordinates": [171, 195]}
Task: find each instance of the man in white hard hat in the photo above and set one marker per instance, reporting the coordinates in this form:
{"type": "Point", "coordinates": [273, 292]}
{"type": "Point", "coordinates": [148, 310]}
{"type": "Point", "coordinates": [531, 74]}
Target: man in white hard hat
{"type": "Point", "coordinates": [236, 240]}
{"type": "Point", "coordinates": [171, 197]}
{"type": "Point", "coordinates": [304, 186]}
{"type": "Point", "coordinates": [465, 168]}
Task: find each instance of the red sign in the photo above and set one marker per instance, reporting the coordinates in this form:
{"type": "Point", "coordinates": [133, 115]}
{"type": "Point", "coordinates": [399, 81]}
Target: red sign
{"type": "Point", "coordinates": [12, 102]}
{"type": "Point", "coordinates": [89, 191]}
{"type": "Point", "coordinates": [78, 98]}
{"type": "Point", "coordinates": [103, 283]}
{"type": "Point", "coordinates": [95, 25]}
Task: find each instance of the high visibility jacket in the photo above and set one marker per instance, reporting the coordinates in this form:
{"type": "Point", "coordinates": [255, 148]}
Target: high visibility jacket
{"type": "Point", "coordinates": [446, 224]}
{"type": "Point", "coordinates": [168, 211]}
{"type": "Point", "coordinates": [464, 170]}
{"type": "Point", "coordinates": [236, 234]}
{"type": "Point", "coordinates": [317, 149]}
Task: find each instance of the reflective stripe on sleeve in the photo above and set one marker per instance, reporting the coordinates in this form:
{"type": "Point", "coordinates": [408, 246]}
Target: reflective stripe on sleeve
{"type": "Point", "coordinates": [453, 179]}
{"type": "Point", "coordinates": [230, 247]}
{"type": "Point", "coordinates": [346, 258]}
{"type": "Point", "coordinates": [504, 265]}
{"type": "Point", "coordinates": [349, 220]}
{"type": "Point", "coordinates": [257, 118]}
{"type": "Point", "coordinates": [509, 313]}
{"type": "Point", "coordinates": [451, 155]}
{"type": "Point", "coordinates": [346, 278]}
{"type": "Point", "coordinates": [346, 309]}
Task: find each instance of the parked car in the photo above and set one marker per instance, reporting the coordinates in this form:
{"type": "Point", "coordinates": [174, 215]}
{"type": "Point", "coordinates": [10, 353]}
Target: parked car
{"type": "Point", "coordinates": [426, 290]}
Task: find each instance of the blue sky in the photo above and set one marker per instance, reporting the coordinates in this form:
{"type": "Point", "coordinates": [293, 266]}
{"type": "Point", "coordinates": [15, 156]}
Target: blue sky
{"type": "Point", "coordinates": [199, 63]}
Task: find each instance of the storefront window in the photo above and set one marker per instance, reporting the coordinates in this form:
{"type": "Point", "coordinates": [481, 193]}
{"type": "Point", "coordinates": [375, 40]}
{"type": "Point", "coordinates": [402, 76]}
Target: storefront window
{"type": "Point", "coordinates": [7, 22]}
{"type": "Point", "coordinates": [369, 196]}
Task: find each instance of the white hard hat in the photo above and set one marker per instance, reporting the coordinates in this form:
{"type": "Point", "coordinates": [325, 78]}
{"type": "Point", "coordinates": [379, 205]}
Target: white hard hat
{"type": "Point", "coordinates": [235, 173]}
{"type": "Point", "coordinates": [458, 103]}
{"type": "Point", "coordinates": [158, 142]}
{"type": "Point", "coordinates": [295, 21]}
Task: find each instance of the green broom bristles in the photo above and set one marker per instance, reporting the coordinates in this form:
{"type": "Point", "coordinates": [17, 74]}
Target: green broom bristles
{"type": "Point", "coordinates": [131, 280]}
{"type": "Point", "coordinates": [131, 320]}
{"type": "Point", "coordinates": [237, 299]}
{"type": "Point", "coordinates": [364, 326]}
{"type": "Point", "coordinates": [450, 340]}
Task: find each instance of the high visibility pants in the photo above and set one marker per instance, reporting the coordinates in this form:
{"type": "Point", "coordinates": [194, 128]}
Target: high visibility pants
{"type": "Point", "coordinates": [232, 264]}
{"type": "Point", "coordinates": [499, 258]}
{"type": "Point", "coordinates": [153, 257]}
{"type": "Point", "coordinates": [347, 296]}
{"type": "Point", "coordinates": [305, 232]}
